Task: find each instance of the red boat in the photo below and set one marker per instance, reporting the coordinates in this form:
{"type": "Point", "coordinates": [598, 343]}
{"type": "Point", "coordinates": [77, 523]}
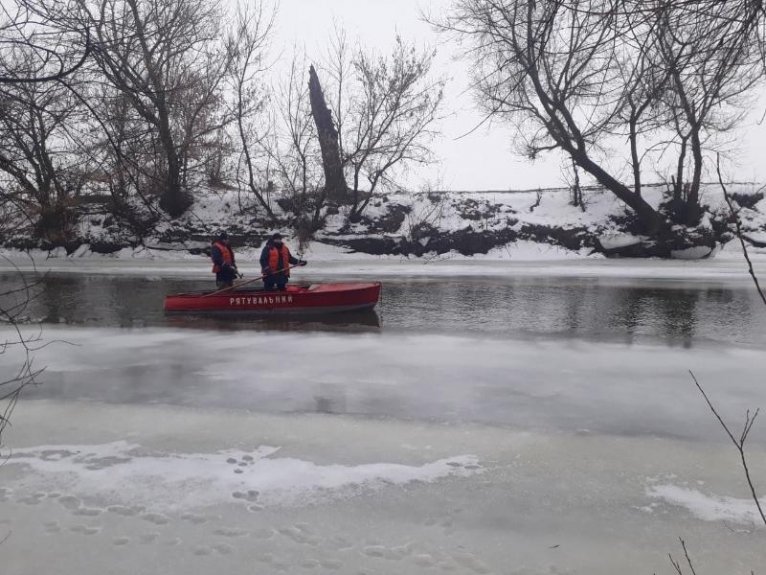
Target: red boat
{"type": "Point", "coordinates": [316, 298]}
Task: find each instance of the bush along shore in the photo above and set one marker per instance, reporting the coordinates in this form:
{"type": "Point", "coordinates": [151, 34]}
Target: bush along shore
{"type": "Point", "coordinates": [419, 224]}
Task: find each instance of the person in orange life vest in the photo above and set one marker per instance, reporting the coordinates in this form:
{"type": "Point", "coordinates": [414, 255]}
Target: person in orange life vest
{"type": "Point", "coordinates": [276, 260]}
{"type": "Point", "coordinates": [224, 266]}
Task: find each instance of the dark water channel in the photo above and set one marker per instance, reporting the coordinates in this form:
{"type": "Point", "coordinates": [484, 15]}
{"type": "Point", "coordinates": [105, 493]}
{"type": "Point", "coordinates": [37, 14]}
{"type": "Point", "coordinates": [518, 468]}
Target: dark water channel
{"type": "Point", "coordinates": [625, 311]}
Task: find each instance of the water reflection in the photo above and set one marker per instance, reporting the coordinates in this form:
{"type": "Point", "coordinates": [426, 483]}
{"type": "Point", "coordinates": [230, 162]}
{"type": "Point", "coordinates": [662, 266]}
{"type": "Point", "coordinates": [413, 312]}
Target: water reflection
{"type": "Point", "coordinates": [673, 314]}
{"type": "Point", "coordinates": [677, 314]}
{"type": "Point", "coordinates": [346, 321]}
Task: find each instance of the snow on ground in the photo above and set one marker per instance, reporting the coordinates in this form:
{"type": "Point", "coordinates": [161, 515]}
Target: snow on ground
{"type": "Point", "coordinates": [444, 211]}
{"type": "Point", "coordinates": [121, 470]}
{"type": "Point", "coordinates": [517, 259]}
{"type": "Point", "coordinates": [709, 507]}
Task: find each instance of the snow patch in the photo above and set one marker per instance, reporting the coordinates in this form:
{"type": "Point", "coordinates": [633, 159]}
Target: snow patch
{"type": "Point", "coordinates": [128, 474]}
{"type": "Point", "coordinates": [693, 253]}
{"type": "Point", "coordinates": [616, 241]}
{"type": "Point", "coordinates": [708, 507]}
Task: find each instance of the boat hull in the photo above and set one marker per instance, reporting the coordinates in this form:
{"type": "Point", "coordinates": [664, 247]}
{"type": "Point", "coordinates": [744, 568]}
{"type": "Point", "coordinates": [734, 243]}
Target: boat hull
{"type": "Point", "coordinates": [320, 298]}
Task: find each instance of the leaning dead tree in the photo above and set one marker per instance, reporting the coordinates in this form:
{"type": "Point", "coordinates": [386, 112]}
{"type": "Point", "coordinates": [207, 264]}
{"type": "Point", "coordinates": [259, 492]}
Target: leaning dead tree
{"type": "Point", "coordinates": [335, 181]}
{"type": "Point", "coordinates": [380, 118]}
{"type": "Point", "coordinates": [347, 133]}
{"type": "Point", "coordinates": [292, 158]}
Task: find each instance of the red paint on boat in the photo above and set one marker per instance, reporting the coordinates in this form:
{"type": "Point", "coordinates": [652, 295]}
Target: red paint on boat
{"type": "Point", "coordinates": [318, 298]}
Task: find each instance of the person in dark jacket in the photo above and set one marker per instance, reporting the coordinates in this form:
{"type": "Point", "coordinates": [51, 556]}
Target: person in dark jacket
{"type": "Point", "coordinates": [224, 266]}
{"type": "Point", "coordinates": [276, 261]}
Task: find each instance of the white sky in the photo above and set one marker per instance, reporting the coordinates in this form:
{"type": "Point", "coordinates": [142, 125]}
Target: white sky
{"type": "Point", "coordinates": [484, 159]}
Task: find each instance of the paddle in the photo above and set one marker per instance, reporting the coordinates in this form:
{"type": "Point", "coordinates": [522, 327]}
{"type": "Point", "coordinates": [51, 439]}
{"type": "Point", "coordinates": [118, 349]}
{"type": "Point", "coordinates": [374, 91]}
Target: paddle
{"type": "Point", "coordinates": [240, 284]}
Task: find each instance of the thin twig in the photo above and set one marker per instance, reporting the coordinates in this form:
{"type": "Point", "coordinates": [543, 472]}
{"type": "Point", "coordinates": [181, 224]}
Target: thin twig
{"type": "Point", "coordinates": [688, 559]}
{"type": "Point", "coordinates": [738, 443]}
{"type": "Point", "coordinates": [738, 226]}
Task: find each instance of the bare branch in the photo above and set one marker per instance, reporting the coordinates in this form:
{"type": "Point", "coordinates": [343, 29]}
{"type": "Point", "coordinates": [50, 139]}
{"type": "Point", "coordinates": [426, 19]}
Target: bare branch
{"type": "Point", "coordinates": [738, 443]}
{"type": "Point", "coordinates": [738, 227]}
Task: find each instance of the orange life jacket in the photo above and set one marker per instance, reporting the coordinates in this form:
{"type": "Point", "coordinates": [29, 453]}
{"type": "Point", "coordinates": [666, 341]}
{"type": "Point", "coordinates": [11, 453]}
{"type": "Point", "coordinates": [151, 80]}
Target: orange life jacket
{"type": "Point", "coordinates": [228, 257]}
{"type": "Point", "coordinates": [274, 260]}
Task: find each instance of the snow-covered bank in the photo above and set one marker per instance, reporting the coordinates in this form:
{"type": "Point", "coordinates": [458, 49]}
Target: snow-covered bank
{"type": "Point", "coordinates": [521, 259]}
{"type": "Point", "coordinates": [502, 224]}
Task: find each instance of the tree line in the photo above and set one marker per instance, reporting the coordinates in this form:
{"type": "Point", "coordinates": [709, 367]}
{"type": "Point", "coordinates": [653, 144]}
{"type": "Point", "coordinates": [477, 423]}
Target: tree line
{"type": "Point", "coordinates": [138, 104]}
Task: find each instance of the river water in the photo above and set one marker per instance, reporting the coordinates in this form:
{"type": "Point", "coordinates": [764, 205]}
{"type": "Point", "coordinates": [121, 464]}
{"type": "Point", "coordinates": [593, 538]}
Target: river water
{"type": "Point", "coordinates": [665, 312]}
{"type": "Point", "coordinates": [470, 425]}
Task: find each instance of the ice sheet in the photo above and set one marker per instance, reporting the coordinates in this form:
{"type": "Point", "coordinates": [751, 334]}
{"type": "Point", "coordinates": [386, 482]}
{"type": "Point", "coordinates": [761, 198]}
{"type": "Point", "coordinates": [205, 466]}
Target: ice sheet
{"type": "Point", "coordinates": [539, 503]}
{"type": "Point", "coordinates": [520, 259]}
{"type": "Point", "coordinates": [529, 384]}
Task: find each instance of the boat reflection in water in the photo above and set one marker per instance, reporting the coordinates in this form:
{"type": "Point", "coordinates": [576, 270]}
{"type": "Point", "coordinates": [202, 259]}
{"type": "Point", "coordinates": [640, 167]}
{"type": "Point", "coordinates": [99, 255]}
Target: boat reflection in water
{"type": "Point", "coordinates": [350, 321]}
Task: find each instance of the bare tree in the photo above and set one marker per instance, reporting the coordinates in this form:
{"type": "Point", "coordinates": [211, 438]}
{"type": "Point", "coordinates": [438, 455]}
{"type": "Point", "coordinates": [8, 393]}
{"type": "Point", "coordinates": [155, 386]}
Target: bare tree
{"type": "Point", "coordinates": [579, 75]}
{"type": "Point", "coordinates": [376, 115]}
{"type": "Point", "coordinates": [168, 60]}
{"type": "Point", "coordinates": [40, 174]}
{"type": "Point", "coordinates": [391, 118]}
{"type": "Point", "coordinates": [248, 46]}
{"type": "Point", "coordinates": [551, 67]}
{"type": "Point", "coordinates": [40, 165]}
{"type": "Point", "coordinates": [34, 53]}
{"type": "Point", "coordinates": [709, 54]}
{"type": "Point", "coordinates": [341, 140]}
{"type": "Point", "coordinates": [298, 158]}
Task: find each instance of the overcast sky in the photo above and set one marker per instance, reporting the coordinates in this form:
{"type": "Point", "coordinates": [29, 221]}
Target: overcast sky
{"type": "Point", "coordinates": [484, 159]}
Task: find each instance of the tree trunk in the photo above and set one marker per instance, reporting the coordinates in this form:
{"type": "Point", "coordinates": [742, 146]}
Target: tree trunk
{"type": "Point", "coordinates": [335, 182]}
{"type": "Point", "coordinates": [651, 220]}
{"type": "Point", "coordinates": [693, 211]}
{"type": "Point", "coordinates": [634, 157]}
{"type": "Point", "coordinates": [678, 185]}
{"type": "Point", "coordinates": [173, 199]}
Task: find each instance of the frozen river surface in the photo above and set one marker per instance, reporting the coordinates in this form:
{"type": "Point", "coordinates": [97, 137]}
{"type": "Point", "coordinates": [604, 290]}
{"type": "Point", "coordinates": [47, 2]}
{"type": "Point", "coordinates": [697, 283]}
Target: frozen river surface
{"type": "Point", "coordinates": [510, 426]}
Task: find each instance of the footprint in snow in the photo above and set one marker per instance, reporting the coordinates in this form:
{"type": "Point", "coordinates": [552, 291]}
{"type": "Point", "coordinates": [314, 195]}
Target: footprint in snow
{"type": "Point", "coordinates": [69, 502]}
{"type": "Point", "coordinates": [230, 532]}
{"type": "Point", "coordinates": [156, 518]}
{"type": "Point", "coordinates": [84, 529]}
